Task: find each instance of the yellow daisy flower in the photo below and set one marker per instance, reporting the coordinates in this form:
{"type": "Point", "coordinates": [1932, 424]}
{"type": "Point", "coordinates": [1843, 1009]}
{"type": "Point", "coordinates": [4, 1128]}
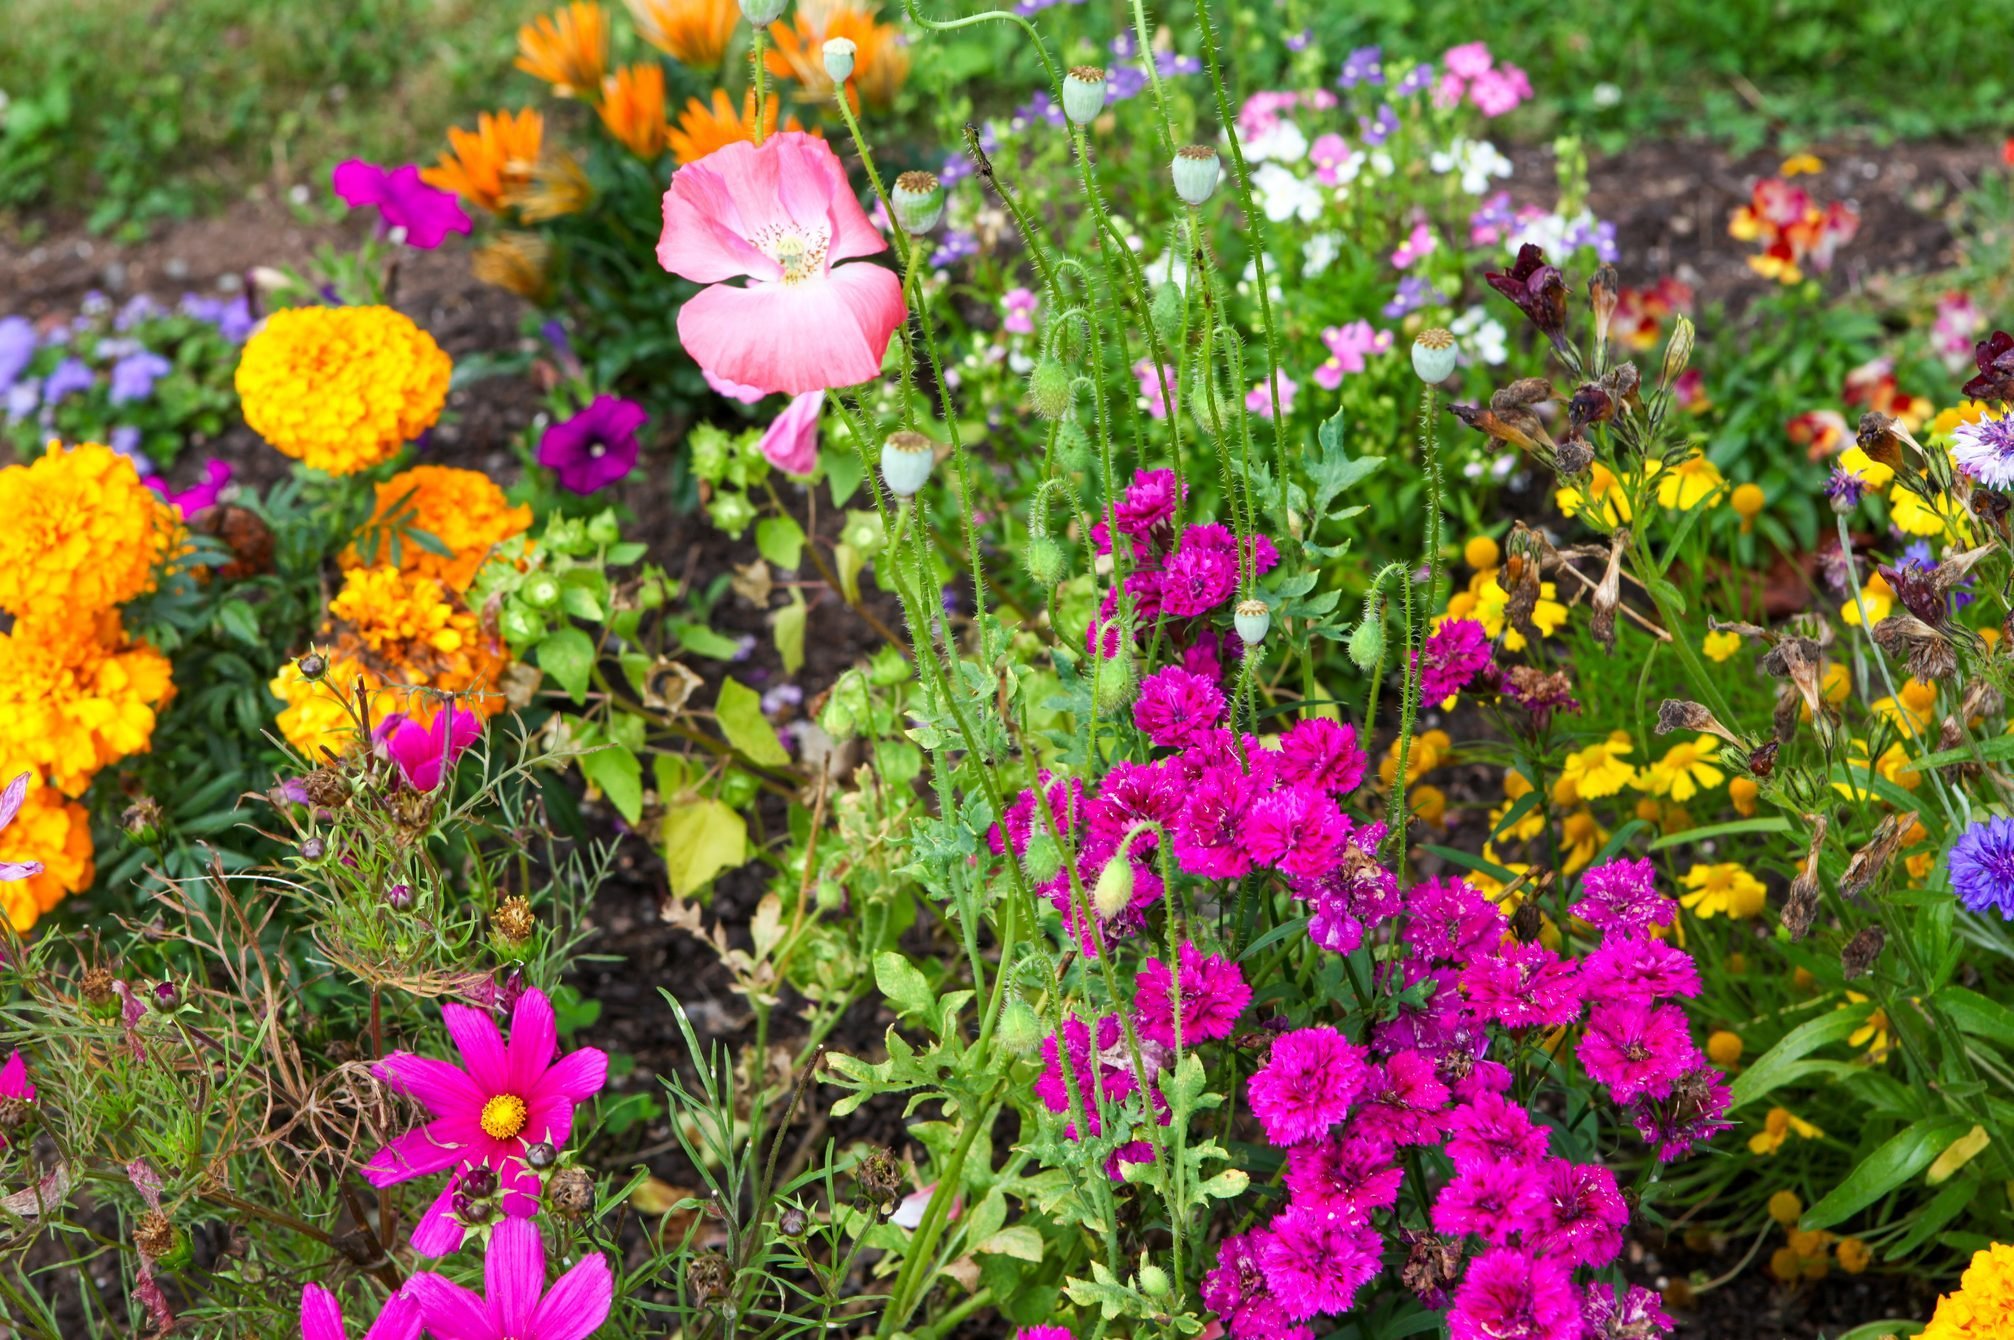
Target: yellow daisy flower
{"type": "Point", "coordinates": [1723, 890]}
{"type": "Point", "coordinates": [1685, 770]}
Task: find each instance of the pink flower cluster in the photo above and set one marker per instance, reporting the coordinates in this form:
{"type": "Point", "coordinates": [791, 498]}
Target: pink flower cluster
{"type": "Point", "coordinates": [1472, 73]}
{"type": "Point", "coordinates": [1510, 1223]}
{"type": "Point", "coordinates": [1184, 579]}
{"type": "Point", "coordinates": [1457, 652]}
{"type": "Point", "coordinates": [1350, 346]}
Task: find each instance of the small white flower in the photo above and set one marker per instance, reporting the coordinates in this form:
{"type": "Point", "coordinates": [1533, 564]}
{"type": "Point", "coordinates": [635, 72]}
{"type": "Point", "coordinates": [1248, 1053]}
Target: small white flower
{"type": "Point", "coordinates": [1281, 142]}
{"type": "Point", "coordinates": [1284, 196]}
{"type": "Point", "coordinates": [1319, 252]}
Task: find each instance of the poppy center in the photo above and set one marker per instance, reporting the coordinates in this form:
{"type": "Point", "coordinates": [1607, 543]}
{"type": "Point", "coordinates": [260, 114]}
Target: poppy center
{"type": "Point", "coordinates": [503, 1116]}
{"type": "Point", "coordinates": [799, 253]}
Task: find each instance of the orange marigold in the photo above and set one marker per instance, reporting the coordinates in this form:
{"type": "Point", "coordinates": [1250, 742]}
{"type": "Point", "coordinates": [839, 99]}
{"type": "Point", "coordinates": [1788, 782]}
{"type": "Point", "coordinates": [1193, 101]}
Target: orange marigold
{"type": "Point", "coordinates": [1983, 1305]}
{"type": "Point", "coordinates": [49, 829]}
{"type": "Point", "coordinates": [567, 48]}
{"type": "Point", "coordinates": [82, 534]}
{"type": "Point", "coordinates": [485, 165]}
{"type": "Point", "coordinates": [462, 509]}
{"type": "Point", "coordinates": [76, 696]}
{"type": "Point", "coordinates": [341, 388]}
{"type": "Point", "coordinates": [693, 32]}
{"type": "Point", "coordinates": [632, 108]}
{"type": "Point", "coordinates": [881, 52]}
{"type": "Point", "coordinates": [702, 129]}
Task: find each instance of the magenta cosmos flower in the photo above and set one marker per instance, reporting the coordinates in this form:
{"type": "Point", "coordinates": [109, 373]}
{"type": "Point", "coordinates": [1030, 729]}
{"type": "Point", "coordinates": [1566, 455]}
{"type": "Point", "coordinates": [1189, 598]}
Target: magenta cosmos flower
{"type": "Point", "coordinates": [322, 1317]}
{"type": "Point", "coordinates": [514, 1303]}
{"type": "Point", "coordinates": [425, 753]}
{"type": "Point", "coordinates": [594, 448]}
{"type": "Point", "coordinates": [782, 216]}
{"type": "Point", "coordinates": [10, 805]}
{"type": "Point", "coordinates": [503, 1098]}
{"type": "Point", "coordinates": [402, 201]}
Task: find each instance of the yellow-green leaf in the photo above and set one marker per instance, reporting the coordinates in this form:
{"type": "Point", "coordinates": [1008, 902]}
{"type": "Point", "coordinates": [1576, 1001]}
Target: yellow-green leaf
{"type": "Point", "coordinates": [701, 839]}
{"type": "Point", "coordinates": [739, 711]}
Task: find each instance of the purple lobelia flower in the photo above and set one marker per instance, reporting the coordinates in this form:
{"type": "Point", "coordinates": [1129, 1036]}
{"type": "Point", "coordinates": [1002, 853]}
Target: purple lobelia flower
{"type": "Point", "coordinates": [71, 376]}
{"type": "Point", "coordinates": [134, 375]}
{"type": "Point", "coordinates": [1982, 867]}
{"type": "Point", "coordinates": [594, 448]}
{"type": "Point", "coordinates": [426, 214]}
{"type": "Point", "coordinates": [17, 346]}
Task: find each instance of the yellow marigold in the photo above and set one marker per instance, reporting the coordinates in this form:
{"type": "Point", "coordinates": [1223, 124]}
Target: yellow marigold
{"type": "Point", "coordinates": [1685, 770]}
{"type": "Point", "coordinates": [404, 617]}
{"type": "Point", "coordinates": [1723, 890]}
{"type": "Point", "coordinates": [1983, 1307]}
{"type": "Point", "coordinates": [567, 48]}
{"type": "Point", "coordinates": [632, 108]}
{"type": "Point", "coordinates": [75, 696]}
{"type": "Point", "coordinates": [484, 165]}
{"type": "Point", "coordinates": [692, 32]}
{"type": "Point", "coordinates": [881, 53]}
{"type": "Point", "coordinates": [49, 829]}
{"type": "Point", "coordinates": [1720, 646]}
{"type": "Point", "coordinates": [341, 388]}
{"type": "Point", "coordinates": [317, 716]}
{"type": "Point", "coordinates": [81, 533]}
{"type": "Point", "coordinates": [702, 129]}
{"type": "Point", "coordinates": [463, 509]}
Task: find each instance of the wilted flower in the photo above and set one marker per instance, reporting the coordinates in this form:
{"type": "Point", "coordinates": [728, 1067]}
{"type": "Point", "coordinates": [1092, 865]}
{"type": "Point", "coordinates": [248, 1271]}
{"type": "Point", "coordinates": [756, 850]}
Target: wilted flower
{"type": "Point", "coordinates": [1538, 289]}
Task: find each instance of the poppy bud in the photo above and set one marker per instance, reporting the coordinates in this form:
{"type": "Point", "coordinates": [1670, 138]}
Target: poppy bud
{"type": "Point", "coordinates": [1165, 310]}
{"type": "Point", "coordinates": [1083, 94]}
{"type": "Point", "coordinates": [1367, 643]}
{"type": "Point", "coordinates": [1197, 170]}
{"type": "Point", "coordinates": [1434, 355]}
{"type": "Point", "coordinates": [1041, 858]}
{"type": "Point", "coordinates": [1044, 561]}
{"type": "Point", "coordinates": [762, 13]}
{"type": "Point", "coordinates": [1153, 1281]}
{"type": "Point", "coordinates": [1020, 1028]}
{"type": "Point", "coordinates": [1114, 891]}
{"type": "Point", "coordinates": [1049, 388]}
{"type": "Point", "coordinates": [906, 459]}
{"type": "Point", "coordinates": [1252, 618]}
{"type": "Point", "coordinates": [1114, 680]}
{"type": "Point", "coordinates": [839, 57]}
{"type": "Point", "coordinates": [918, 201]}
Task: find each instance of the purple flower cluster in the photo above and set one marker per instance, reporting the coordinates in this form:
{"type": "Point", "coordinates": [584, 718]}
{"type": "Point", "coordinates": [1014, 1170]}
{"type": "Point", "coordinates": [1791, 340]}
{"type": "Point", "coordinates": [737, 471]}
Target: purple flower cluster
{"type": "Point", "coordinates": [1183, 579]}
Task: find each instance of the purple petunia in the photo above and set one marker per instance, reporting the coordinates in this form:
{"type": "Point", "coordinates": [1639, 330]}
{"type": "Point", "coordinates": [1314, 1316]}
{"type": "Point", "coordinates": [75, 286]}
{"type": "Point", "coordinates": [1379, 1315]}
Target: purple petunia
{"type": "Point", "coordinates": [425, 213]}
{"type": "Point", "coordinates": [1365, 65]}
{"type": "Point", "coordinates": [1210, 987]}
{"type": "Point", "coordinates": [1982, 867]}
{"type": "Point", "coordinates": [1307, 1084]}
{"type": "Point", "coordinates": [595, 447]}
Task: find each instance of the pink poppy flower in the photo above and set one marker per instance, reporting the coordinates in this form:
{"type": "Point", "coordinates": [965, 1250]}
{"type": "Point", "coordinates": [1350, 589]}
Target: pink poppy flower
{"type": "Point", "coordinates": [10, 805]}
{"type": "Point", "coordinates": [791, 443]}
{"type": "Point", "coordinates": [402, 200]}
{"type": "Point", "coordinates": [424, 753]}
{"type": "Point", "coordinates": [487, 1112]}
{"type": "Point", "coordinates": [514, 1303]}
{"type": "Point", "coordinates": [783, 216]}
{"type": "Point", "coordinates": [322, 1317]}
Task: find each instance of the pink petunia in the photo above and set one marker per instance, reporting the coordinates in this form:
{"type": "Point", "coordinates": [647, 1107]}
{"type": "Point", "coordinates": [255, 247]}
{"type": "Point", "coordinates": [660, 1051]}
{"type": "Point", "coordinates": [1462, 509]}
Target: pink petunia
{"type": "Point", "coordinates": [782, 216]}
{"type": "Point", "coordinates": [515, 1303]}
{"type": "Point", "coordinates": [425, 213]}
{"type": "Point", "coordinates": [487, 1111]}
{"type": "Point", "coordinates": [425, 753]}
{"type": "Point", "coordinates": [791, 443]}
{"type": "Point", "coordinates": [322, 1317]}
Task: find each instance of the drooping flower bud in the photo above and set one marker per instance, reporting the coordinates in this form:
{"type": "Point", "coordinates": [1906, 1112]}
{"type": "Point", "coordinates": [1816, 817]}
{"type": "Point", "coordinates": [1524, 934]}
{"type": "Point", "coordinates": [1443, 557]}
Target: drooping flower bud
{"type": "Point", "coordinates": [1114, 681]}
{"type": "Point", "coordinates": [1020, 1028]}
{"type": "Point", "coordinates": [1165, 310]}
{"type": "Point", "coordinates": [762, 13]}
{"type": "Point", "coordinates": [1084, 94]}
{"type": "Point", "coordinates": [1041, 858]}
{"type": "Point", "coordinates": [1434, 355]}
{"type": "Point", "coordinates": [839, 56]}
{"type": "Point", "coordinates": [918, 201]}
{"type": "Point", "coordinates": [1049, 388]}
{"type": "Point", "coordinates": [1197, 170]}
{"type": "Point", "coordinates": [1153, 1280]}
{"type": "Point", "coordinates": [142, 821]}
{"type": "Point", "coordinates": [1367, 643]}
{"type": "Point", "coordinates": [906, 459]}
{"type": "Point", "coordinates": [1044, 560]}
{"type": "Point", "coordinates": [1114, 891]}
{"type": "Point", "coordinates": [1252, 618]}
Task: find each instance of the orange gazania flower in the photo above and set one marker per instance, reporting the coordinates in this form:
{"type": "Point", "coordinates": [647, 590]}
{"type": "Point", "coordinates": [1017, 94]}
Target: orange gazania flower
{"type": "Point", "coordinates": [881, 60]}
{"type": "Point", "coordinates": [567, 48]}
{"type": "Point", "coordinates": [494, 160]}
{"type": "Point", "coordinates": [702, 129]}
{"type": "Point", "coordinates": [692, 32]}
{"type": "Point", "coordinates": [632, 107]}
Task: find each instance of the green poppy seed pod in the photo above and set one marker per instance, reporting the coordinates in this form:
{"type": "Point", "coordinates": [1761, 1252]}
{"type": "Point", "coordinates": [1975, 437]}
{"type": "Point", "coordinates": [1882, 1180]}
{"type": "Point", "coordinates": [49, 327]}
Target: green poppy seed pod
{"type": "Point", "coordinates": [1367, 644]}
{"type": "Point", "coordinates": [1044, 561]}
{"type": "Point", "coordinates": [1252, 618]}
{"type": "Point", "coordinates": [1114, 891]}
{"type": "Point", "coordinates": [1165, 309]}
{"type": "Point", "coordinates": [1197, 170]}
{"type": "Point", "coordinates": [1084, 94]}
{"type": "Point", "coordinates": [839, 57]}
{"type": "Point", "coordinates": [1678, 352]}
{"type": "Point", "coordinates": [906, 459]}
{"type": "Point", "coordinates": [1049, 389]}
{"type": "Point", "coordinates": [1041, 858]}
{"type": "Point", "coordinates": [762, 13]}
{"type": "Point", "coordinates": [918, 201]}
{"type": "Point", "coordinates": [1021, 1030]}
{"type": "Point", "coordinates": [1434, 355]}
{"type": "Point", "coordinates": [542, 591]}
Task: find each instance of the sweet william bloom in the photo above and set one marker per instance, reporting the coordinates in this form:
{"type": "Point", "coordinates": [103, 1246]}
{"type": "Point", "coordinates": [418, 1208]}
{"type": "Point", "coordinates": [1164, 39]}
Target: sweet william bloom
{"type": "Point", "coordinates": [1633, 1315]}
{"type": "Point", "coordinates": [594, 448]}
{"type": "Point", "coordinates": [195, 498]}
{"type": "Point", "coordinates": [1508, 1295]}
{"type": "Point", "coordinates": [425, 213]}
{"type": "Point", "coordinates": [322, 1317]}
{"type": "Point", "coordinates": [11, 801]}
{"type": "Point", "coordinates": [783, 216]}
{"type": "Point", "coordinates": [1307, 1084]}
{"type": "Point", "coordinates": [1176, 709]}
{"type": "Point", "coordinates": [515, 1304]}
{"type": "Point", "coordinates": [504, 1097]}
{"type": "Point", "coordinates": [423, 754]}
{"type": "Point", "coordinates": [1210, 988]}
{"type": "Point", "coordinates": [1315, 1260]}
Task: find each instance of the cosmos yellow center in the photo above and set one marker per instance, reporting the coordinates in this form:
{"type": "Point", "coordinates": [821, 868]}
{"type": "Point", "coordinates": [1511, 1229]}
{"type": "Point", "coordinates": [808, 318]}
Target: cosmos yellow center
{"type": "Point", "coordinates": [503, 1116]}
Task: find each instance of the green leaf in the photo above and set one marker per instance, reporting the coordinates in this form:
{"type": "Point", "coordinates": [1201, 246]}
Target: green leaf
{"type": "Point", "coordinates": [701, 839]}
{"type": "Point", "coordinates": [739, 712]}
{"type": "Point", "coordinates": [237, 619]}
{"type": "Point", "coordinates": [568, 656]}
{"type": "Point", "coordinates": [616, 771]}
{"type": "Point", "coordinates": [787, 627]}
{"type": "Point", "coordinates": [1924, 1223]}
{"type": "Point", "coordinates": [1019, 1241]}
{"type": "Point", "coordinates": [1895, 1162]}
{"type": "Point", "coordinates": [907, 989]}
{"type": "Point", "coordinates": [1975, 1014]}
{"type": "Point", "coordinates": [850, 562]}
{"type": "Point", "coordinates": [580, 603]}
{"type": "Point", "coordinates": [780, 540]}
{"type": "Point", "coordinates": [1772, 824]}
{"type": "Point", "coordinates": [1334, 470]}
{"type": "Point", "coordinates": [843, 471]}
{"type": "Point", "coordinates": [1774, 1067]}
{"type": "Point", "coordinates": [700, 640]}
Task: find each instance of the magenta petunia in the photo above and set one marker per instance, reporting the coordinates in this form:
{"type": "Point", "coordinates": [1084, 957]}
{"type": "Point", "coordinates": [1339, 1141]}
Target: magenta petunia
{"type": "Point", "coordinates": [1510, 1295]}
{"type": "Point", "coordinates": [1176, 709]}
{"type": "Point", "coordinates": [1315, 1260]}
{"type": "Point", "coordinates": [426, 213]}
{"type": "Point", "coordinates": [1210, 987]}
{"type": "Point", "coordinates": [1307, 1084]}
{"type": "Point", "coordinates": [782, 216]}
{"type": "Point", "coordinates": [191, 500]}
{"type": "Point", "coordinates": [487, 1111]}
{"type": "Point", "coordinates": [322, 1317]}
{"type": "Point", "coordinates": [1622, 895]}
{"type": "Point", "coordinates": [1456, 653]}
{"type": "Point", "coordinates": [1636, 1049]}
{"type": "Point", "coordinates": [1321, 753]}
{"type": "Point", "coordinates": [425, 754]}
{"type": "Point", "coordinates": [596, 447]}
{"type": "Point", "coordinates": [1581, 1215]}
{"type": "Point", "coordinates": [515, 1303]}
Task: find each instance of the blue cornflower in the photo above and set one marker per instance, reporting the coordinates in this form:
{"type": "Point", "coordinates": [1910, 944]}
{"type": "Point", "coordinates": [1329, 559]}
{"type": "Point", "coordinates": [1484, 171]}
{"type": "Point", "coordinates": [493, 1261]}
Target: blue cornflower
{"type": "Point", "coordinates": [1982, 867]}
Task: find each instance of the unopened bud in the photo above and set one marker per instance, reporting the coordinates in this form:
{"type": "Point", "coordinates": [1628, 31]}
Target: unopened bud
{"type": "Point", "coordinates": [142, 821]}
{"type": "Point", "coordinates": [1153, 1281]}
{"type": "Point", "coordinates": [791, 1223]}
{"type": "Point", "coordinates": [313, 849]}
{"type": "Point", "coordinates": [521, 624]}
{"type": "Point", "coordinates": [1044, 561]}
{"type": "Point", "coordinates": [906, 459]}
{"type": "Point", "coordinates": [312, 666]}
{"type": "Point", "coordinates": [1252, 618]}
{"type": "Point", "coordinates": [1677, 352]}
{"type": "Point", "coordinates": [1114, 891]}
{"type": "Point", "coordinates": [1434, 355]}
{"type": "Point", "coordinates": [1165, 310]}
{"type": "Point", "coordinates": [1197, 170]}
{"type": "Point", "coordinates": [1367, 643]}
{"type": "Point", "coordinates": [1114, 680]}
{"type": "Point", "coordinates": [1084, 94]}
{"type": "Point", "coordinates": [1049, 388]}
{"type": "Point", "coordinates": [1041, 858]}
{"type": "Point", "coordinates": [1020, 1028]}
{"type": "Point", "coordinates": [918, 201]}
{"type": "Point", "coordinates": [399, 897]}
{"type": "Point", "coordinates": [839, 56]}
{"type": "Point", "coordinates": [540, 1155]}
{"type": "Point", "coordinates": [542, 591]}
{"type": "Point", "coordinates": [1603, 292]}
{"type": "Point", "coordinates": [167, 997]}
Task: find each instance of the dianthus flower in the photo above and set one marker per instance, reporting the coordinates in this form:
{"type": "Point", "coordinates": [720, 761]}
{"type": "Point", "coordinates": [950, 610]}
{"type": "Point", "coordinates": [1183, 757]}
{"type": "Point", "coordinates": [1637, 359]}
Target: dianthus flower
{"type": "Point", "coordinates": [1493, 1199]}
{"type": "Point", "coordinates": [1297, 830]}
{"type": "Point", "coordinates": [1176, 709]}
{"type": "Point", "coordinates": [49, 832]}
{"type": "Point", "coordinates": [463, 509]}
{"type": "Point", "coordinates": [504, 1097]}
{"type": "Point", "coordinates": [1130, 794]}
{"type": "Point", "coordinates": [1237, 1291]}
{"type": "Point", "coordinates": [1984, 1302]}
{"type": "Point", "coordinates": [1581, 1215]}
{"type": "Point", "coordinates": [1209, 837]}
{"type": "Point", "coordinates": [1343, 1175]}
{"type": "Point", "coordinates": [1637, 968]}
{"type": "Point", "coordinates": [1982, 867]}
{"type": "Point", "coordinates": [1491, 1128]}
{"type": "Point", "coordinates": [1455, 654]}
{"type": "Point", "coordinates": [1635, 1315]}
{"type": "Point", "coordinates": [1447, 919]}
{"type": "Point", "coordinates": [1693, 1112]}
{"type": "Point", "coordinates": [1210, 987]}
{"type": "Point", "coordinates": [1405, 1102]}
{"type": "Point", "coordinates": [76, 696]}
{"type": "Point", "coordinates": [1202, 573]}
{"type": "Point", "coordinates": [1146, 510]}
{"type": "Point", "coordinates": [1307, 1084]}
{"type": "Point", "coordinates": [1315, 1260]}
{"type": "Point", "coordinates": [1321, 753]}
{"type": "Point", "coordinates": [1094, 1081]}
{"type": "Point", "coordinates": [1523, 986]}
{"type": "Point", "coordinates": [1636, 1049]}
{"type": "Point", "coordinates": [341, 388]}
{"type": "Point", "coordinates": [1622, 895]}
{"type": "Point", "coordinates": [1508, 1295]}
{"type": "Point", "coordinates": [83, 534]}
